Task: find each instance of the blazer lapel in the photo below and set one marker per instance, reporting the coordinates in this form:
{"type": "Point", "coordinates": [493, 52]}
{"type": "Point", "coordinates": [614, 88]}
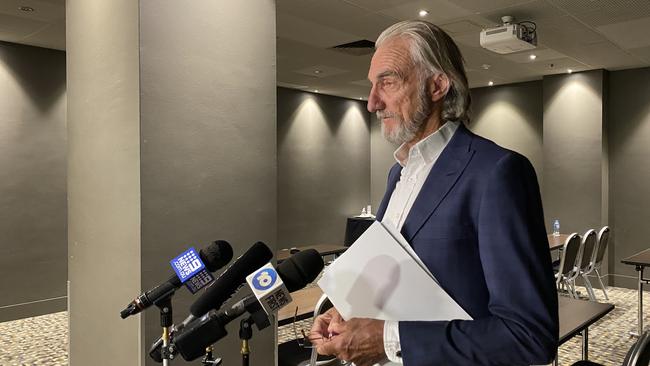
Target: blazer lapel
{"type": "Point", "coordinates": [393, 178]}
{"type": "Point", "coordinates": [444, 174]}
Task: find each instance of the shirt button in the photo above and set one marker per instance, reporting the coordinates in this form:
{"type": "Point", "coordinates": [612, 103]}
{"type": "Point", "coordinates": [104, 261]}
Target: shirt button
{"type": "Point", "coordinates": [411, 179]}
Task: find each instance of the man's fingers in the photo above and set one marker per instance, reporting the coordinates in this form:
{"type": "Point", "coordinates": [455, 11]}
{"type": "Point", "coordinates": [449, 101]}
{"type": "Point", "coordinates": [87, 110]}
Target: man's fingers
{"type": "Point", "coordinates": [335, 327]}
{"type": "Point", "coordinates": [328, 348]}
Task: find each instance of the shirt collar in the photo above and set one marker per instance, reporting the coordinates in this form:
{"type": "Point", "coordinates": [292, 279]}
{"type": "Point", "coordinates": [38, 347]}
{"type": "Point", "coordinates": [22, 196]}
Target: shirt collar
{"type": "Point", "coordinates": [429, 147]}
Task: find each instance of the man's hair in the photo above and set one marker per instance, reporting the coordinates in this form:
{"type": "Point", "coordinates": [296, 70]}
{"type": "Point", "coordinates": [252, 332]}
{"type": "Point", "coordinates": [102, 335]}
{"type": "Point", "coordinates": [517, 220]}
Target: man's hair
{"type": "Point", "coordinates": [434, 52]}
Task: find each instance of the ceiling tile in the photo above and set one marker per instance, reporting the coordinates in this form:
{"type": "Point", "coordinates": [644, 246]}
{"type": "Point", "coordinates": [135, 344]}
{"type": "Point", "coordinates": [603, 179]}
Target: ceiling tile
{"type": "Point", "coordinates": [377, 5]}
{"type": "Point", "coordinates": [439, 11]}
{"type": "Point", "coordinates": [291, 86]}
{"type": "Point", "coordinates": [52, 36]}
{"type": "Point", "coordinates": [643, 53]}
{"type": "Point", "coordinates": [531, 11]}
{"type": "Point", "coordinates": [542, 54]}
{"type": "Point", "coordinates": [630, 34]}
{"type": "Point", "coordinates": [601, 12]}
{"type": "Point", "coordinates": [566, 29]}
{"type": "Point", "coordinates": [320, 12]}
{"type": "Point", "coordinates": [556, 66]}
{"type": "Point", "coordinates": [321, 71]}
{"type": "Point", "coordinates": [366, 27]}
{"type": "Point", "coordinates": [18, 27]}
{"type": "Point", "coordinates": [461, 26]}
{"type": "Point", "coordinates": [297, 29]}
{"type": "Point", "coordinates": [481, 6]}
{"type": "Point", "coordinates": [46, 11]}
{"type": "Point", "coordinates": [607, 56]}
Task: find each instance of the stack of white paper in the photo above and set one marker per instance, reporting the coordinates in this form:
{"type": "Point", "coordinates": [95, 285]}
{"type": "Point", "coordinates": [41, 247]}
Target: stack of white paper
{"type": "Point", "coordinates": [381, 277]}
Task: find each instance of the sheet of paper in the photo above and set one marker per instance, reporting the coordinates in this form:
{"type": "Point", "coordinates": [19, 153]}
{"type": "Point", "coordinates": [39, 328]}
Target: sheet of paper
{"type": "Point", "coordinates": [379, 278]}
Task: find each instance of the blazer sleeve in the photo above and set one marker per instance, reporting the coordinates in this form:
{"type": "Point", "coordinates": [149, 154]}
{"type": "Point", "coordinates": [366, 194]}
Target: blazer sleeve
{"type": "Point", "coordinates": [522, 328]}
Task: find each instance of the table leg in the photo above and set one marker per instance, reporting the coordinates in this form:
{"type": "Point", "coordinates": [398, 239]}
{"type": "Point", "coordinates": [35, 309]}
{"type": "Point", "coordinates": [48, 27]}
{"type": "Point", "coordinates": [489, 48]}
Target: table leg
{"type": "Point", "coordinates": [585, 344]}
{"type": "Point", "coordinates": [640, 325]}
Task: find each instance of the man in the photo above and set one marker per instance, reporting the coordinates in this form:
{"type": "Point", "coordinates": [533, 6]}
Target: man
{"type": "Point", "coordinates": [470, 209]}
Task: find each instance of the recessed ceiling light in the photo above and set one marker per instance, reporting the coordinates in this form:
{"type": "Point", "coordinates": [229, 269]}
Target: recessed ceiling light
{"type": "Point", "coordinates": [423, 13]}
{"type": "Point", "coordinates": [315, 90]}
{"type": "Point", "coordinates": [26, 8]}
{"type": "Point", "coordinates": [569, 71]}
{"type": "Point", "coordinates": [533, 57]}
{"type": "Point", "coordinates": [360, 98]}
{"type": "Point", "coordinates": [491, 83]}
{"type": "Point", "coordinates": [486, 66]}
{"type": "Point", "coordinates": [317, 71]}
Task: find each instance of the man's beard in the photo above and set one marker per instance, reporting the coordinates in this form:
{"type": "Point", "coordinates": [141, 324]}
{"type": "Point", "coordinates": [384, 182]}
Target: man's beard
{"type": "Point", "coordinates": [406, 130]}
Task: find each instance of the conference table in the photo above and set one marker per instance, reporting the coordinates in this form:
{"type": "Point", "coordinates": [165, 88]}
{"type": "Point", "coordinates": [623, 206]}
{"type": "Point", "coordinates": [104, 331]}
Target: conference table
{"type": "Point", "coordinates": [639, 261]}
{"type": "Point", "coordinates": [322, 249]}
{"type": "Point", "coordinates": [576, 316]}
{"type": "Point", "coordinates": [556, 241]}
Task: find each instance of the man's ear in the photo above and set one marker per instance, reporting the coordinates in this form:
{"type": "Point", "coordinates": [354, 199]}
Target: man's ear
{"type": "Point", "coordinates": [438, 86]}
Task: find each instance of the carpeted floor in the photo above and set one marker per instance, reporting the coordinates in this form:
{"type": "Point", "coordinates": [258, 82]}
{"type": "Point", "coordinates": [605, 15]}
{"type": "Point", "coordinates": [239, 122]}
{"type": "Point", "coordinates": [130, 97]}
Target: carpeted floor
{"type": "Point", "coordinates": [43, 340]}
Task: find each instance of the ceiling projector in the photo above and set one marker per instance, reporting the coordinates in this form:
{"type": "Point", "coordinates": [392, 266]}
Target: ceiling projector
{"type": "Point", "coordinates": [510, 37]}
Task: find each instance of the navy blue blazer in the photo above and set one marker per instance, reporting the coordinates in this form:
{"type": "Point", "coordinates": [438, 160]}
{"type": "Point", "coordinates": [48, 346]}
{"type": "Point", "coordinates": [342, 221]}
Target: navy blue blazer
{"type": "Point", "coordinates": [478, 225]}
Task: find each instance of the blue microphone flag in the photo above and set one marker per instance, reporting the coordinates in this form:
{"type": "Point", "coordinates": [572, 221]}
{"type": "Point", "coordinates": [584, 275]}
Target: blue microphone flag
{"type": "Point", "coordinates": [187, 264]}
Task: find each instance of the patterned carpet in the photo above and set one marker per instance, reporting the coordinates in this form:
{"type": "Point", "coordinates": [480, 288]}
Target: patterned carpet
{"type": "Point", "coordinates": [43, 340]}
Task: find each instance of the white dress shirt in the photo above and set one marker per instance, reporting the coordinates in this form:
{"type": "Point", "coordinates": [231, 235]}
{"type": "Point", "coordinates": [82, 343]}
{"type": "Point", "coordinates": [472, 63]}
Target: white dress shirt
{"type": "Point", "coordinates": [416, 164]}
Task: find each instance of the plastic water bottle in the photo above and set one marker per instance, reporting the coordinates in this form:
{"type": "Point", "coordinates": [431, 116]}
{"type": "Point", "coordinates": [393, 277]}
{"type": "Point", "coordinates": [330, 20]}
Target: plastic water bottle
{"type": "Point", "coordinates": [556, 227]}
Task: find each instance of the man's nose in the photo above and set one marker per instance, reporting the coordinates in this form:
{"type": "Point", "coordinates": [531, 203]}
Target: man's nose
{"type": "Point", "coordinates": [374, 101]}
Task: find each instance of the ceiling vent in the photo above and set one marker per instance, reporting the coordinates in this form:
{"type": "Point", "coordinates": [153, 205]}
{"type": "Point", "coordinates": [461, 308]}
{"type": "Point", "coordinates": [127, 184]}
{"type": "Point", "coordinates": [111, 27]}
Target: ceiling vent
{"type": "Point", "coordinates": [356, 48]}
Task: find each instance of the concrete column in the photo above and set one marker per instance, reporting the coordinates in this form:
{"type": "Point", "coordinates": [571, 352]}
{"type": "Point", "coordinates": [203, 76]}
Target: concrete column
{"type": "Point", "coordinates": [171, 133]}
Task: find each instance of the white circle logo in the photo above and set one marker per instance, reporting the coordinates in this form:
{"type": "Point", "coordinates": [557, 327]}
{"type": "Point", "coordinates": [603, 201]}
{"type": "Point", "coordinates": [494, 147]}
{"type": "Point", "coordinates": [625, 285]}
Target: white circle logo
{"type": "Point", "coordinates": [264, 279]}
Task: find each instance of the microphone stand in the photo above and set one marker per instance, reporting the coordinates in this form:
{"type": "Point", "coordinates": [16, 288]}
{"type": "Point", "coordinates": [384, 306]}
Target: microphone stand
{"type": "Point", "coordinates": [209, 359]}
{"type": "Point", "coordinates": [166, 321]}
{"type": "Point", "coordinates": [245, 334]}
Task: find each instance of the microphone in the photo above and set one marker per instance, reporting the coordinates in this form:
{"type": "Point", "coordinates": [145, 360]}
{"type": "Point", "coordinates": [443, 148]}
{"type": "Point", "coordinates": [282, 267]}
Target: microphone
{"type": "Point", "coordinates": [296, 272]}
{"type": "Point", "coordinates": [222, 288]}
{"type": "Point", "coordinates": [214, 256]}
{"type": "Point", "coordinates": [231, 279]}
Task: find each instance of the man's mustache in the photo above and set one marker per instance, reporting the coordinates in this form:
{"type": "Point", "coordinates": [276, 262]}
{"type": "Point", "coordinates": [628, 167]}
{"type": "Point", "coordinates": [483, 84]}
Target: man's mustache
{"type": "Point", "coordinates": [383, 115]}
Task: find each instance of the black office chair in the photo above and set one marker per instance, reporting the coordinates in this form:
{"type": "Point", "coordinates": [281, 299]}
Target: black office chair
{"type": "Point", "coordinates": [293, 354]}
{"type": "Point", "coordinates": [638, 355]}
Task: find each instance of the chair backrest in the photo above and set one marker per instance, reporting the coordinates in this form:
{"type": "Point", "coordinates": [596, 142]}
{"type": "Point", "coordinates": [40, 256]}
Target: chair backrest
{"type": "Point", "coordinates": [589, 241]}
{"type": "Point", "coordinates": [639, 354]}
{"type": "Point", "coordinates": [322, 305]}
{"type": "Point", "coordinates": [569, 254]}
{"type": "Point", "coordinates": [603, 239]}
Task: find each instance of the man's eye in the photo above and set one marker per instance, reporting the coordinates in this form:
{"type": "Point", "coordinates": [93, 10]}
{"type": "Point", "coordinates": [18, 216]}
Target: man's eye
{"type": "Point", "coordinates": [388, 83]}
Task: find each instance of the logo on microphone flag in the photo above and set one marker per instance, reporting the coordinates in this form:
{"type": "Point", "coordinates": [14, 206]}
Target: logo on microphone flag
{"type": "Point", "coordinates": [264, 279]}
{"type": "Point", "coordinates": [187, 264]}
{"type": "Point", "coordinates": [269, 289]}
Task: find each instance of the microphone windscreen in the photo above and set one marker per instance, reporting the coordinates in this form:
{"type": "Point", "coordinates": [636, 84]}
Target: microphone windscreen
{"type": "Point", "coordinates": [229, 281]}
{"type": "Point", "coordinates": [300, 269]}
{"type": "Point", "coordinates": [216, 255]}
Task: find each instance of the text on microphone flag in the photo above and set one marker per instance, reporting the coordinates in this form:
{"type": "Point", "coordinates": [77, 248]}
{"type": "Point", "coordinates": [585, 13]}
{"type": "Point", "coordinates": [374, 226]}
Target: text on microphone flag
{"type": "Point", "coordinates": [187, 264]}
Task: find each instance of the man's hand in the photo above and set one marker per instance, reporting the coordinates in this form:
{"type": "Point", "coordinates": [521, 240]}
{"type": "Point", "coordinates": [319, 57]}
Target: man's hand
{"type": "Point", "coordinates": [358, 340]}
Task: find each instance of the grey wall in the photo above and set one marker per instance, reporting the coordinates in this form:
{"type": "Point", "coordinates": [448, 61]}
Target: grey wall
{"type": "Point", "coordinates": [512, 116]}
{"type": "Point", "coordinates": [629, 134]}
{"type": "Point", "coordinates": [573, 150]}
{"type": "Point", "coordinates": [103, 179]}
{"type": "Point", "coordinates": [33, 243]}
{"type": "Point", "coordinates": [208, 125]}
{"type": "Point", "coordinates": [323, 166]}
